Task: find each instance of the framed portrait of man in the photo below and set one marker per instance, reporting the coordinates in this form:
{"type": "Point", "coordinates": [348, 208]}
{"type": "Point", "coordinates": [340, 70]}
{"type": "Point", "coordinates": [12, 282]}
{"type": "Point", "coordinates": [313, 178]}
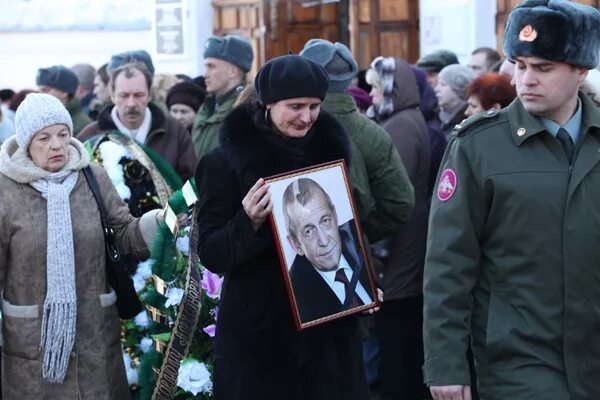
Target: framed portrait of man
{"type": "Point", "coordinates": [320, 243]}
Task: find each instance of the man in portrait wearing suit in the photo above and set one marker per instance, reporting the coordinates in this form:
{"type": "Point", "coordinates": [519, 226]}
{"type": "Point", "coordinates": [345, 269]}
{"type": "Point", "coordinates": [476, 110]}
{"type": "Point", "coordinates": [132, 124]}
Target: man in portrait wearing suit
{"type": "Point", "coordinates": [329, 274]}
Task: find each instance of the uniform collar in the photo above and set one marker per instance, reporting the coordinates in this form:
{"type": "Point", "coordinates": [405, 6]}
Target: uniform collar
{"type": "Point", "coordinates": [524, 125]}
{"type": "Point", "coordinates": [573, 125]}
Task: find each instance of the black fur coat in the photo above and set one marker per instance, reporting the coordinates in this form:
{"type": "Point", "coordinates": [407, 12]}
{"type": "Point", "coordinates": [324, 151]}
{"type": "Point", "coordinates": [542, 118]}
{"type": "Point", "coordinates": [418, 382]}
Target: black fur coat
{"type": "Point", "coordinates": [259, 354]}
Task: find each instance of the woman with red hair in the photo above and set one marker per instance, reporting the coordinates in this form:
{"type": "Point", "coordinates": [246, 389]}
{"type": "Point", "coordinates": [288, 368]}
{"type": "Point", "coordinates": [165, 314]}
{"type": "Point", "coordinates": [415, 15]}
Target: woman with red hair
{"type": "Point", "coordinates": [489, 91]}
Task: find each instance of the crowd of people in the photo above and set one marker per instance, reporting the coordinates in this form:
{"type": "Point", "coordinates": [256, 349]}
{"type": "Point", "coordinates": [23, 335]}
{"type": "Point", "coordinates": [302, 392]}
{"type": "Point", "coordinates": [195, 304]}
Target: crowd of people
{"type": "Point", "coordinates": [474, 186]}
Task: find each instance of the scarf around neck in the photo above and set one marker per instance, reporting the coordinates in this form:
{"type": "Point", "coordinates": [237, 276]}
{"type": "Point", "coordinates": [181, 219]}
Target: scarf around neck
{"type": "Point", "coordinates": [140, 134]}
{"type": "Point", "coordinates": [60, 306]}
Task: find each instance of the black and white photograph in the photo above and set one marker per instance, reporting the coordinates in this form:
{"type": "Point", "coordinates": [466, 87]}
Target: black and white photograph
{"type": "Point", "coordinates": [321, 248]}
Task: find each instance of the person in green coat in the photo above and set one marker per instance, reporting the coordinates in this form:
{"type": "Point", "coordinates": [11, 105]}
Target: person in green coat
{"type": "Point", "coordinates": [227, 59]}
{"type": "Point", "coordinates": [62, 83]}
{"type": "Point", "coordinates": [390, 197]}
{"type": "Point", "coordinates": [512, 253]}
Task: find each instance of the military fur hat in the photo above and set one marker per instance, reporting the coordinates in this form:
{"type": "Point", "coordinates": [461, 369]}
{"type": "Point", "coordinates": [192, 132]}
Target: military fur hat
{"type": "Point", "coordinates": [555, 30]}
{"type": "Point", "coordinates": [231, 48]}
{"type": "Point", "coordinates": [337, 60]}
{"type": "Point", "coordinates": [436, 61]}
{"type": "Point", "coordinates": [127, 57]}
{"type": "Point", "coordinates": [58, 77]}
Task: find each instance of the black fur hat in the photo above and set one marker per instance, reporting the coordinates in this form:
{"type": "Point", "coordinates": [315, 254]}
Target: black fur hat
{"type": "Point", "coordinates": [555, 30]}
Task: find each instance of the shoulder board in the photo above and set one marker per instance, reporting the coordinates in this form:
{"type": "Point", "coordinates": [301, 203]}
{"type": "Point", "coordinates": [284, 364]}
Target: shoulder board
{"type": "Point", "coordinates": [474, 120]}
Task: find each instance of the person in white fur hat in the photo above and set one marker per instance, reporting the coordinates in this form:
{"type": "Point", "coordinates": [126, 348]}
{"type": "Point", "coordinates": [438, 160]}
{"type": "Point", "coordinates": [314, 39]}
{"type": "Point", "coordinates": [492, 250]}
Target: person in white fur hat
{"type": "Point", "coordinates": [60, 322]}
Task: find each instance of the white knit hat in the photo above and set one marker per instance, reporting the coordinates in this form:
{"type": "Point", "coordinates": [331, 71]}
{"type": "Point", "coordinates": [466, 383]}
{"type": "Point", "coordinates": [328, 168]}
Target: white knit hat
{"type": "Point", "coordinates": [37, 112]}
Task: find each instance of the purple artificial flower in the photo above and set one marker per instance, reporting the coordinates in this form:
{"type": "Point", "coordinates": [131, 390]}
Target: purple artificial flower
{"type": "Point", "coordinates": [212, 283]}
{"type": "Point", "coordinates": [210, 330]}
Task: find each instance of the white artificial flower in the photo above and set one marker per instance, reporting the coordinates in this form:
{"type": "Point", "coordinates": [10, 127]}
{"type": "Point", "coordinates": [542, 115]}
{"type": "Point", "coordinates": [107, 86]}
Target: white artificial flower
{"type": "Point", "coordinates": [174, 296]}
{"type": "Point", "coordinates": [183, 245]}
{"type": "Point", "coordinates": [111, 154]}
{"type": "Point", "coordinates": [138, 283]}
{"type": "Point", "coordinates": [142, 273]}
{"type": "Point", "coordinates": [132, 374]}
{"type": "Point", "coordinates": [142, 319]}
{"type": "Point", "coordinates": [145, 344]}
{"type": "Point", "coordinates": [194, 377]}
{"type": "Point", "coordinates": [144, 268]}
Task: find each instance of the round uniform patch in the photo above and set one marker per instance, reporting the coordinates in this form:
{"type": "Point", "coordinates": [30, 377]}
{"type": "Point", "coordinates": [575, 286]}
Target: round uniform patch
{"type": "Point", "coordinates": [447, 185]}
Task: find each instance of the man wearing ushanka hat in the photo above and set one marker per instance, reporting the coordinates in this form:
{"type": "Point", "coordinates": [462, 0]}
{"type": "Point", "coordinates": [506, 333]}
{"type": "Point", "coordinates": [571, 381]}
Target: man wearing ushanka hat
{"type": "Point", "coordinates": [512, 252]}
{"type": "Point", "coordinates": [227, 60]}
{"type": "Point", "coordinates": [61, 82]}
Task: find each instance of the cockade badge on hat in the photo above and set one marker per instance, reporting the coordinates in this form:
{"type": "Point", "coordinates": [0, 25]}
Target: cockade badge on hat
{"type": "Point", "coordinates": [527, 34]}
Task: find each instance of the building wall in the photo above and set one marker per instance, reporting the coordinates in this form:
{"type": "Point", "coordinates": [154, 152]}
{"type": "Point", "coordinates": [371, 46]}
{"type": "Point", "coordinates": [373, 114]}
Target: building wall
{"type": "Point", "coordinates": [23, 52]}
{"type": "Point", "coordinates": [457, 25]}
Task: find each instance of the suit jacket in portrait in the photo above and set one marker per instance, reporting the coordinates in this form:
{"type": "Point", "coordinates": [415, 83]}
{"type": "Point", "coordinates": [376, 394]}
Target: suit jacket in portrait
{"type": "Point", "coordinates": [314, 297]}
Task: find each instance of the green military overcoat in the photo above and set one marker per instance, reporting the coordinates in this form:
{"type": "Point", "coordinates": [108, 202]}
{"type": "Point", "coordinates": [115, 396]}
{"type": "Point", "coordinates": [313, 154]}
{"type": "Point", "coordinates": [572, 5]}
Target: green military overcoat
{"type": "Point", "coordinates": [208, 120]}
{"type": "Point", "coordinates": [390, 197]}
{"type": "Point", "coordinates": [513, 260]}
{"type": "Point", "coordinates": [80, 119]}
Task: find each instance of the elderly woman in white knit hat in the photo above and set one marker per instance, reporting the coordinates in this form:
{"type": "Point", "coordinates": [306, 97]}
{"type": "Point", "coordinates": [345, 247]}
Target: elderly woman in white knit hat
{"type": "Point", "coordinates": [60, 322]}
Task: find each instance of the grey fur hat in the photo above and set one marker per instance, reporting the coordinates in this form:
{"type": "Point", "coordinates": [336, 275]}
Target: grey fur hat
{"type": "Point", "coordinates": [555, 30]}
{"type": "Point", "coordinates": [436, 61]}
{"type": "Point", "coordinates": [58, 77]}
{"type": "Point", "coordinates": [232, 48]}
{"type": "Point", "coordinates": [458, 77]}
{"type": "Point", "coordinates": [36, 112]}
{"type": "Point", "coordinates": [337, 60]}
{"type": "Point", "coordinates": [127, 57]}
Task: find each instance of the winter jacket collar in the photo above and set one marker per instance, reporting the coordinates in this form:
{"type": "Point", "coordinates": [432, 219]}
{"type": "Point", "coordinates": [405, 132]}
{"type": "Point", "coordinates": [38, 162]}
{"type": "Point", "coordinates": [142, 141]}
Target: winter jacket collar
{"type": "Point", "coordinates": [105, 122]}
{"type": "Point", "coordinates": [16, 164]}
{"type": "Point", "coordinates": [214, 110]}
{"type": "Point", "coordinates": [524, 125]}
{"type": "Point", "coordinates": [339, 103]}
{"type": "Point", "coordinates": [73, 106]}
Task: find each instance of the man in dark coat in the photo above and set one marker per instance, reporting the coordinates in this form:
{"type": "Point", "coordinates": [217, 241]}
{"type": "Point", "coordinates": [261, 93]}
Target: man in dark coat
{"type": "Point", "coordinates": [328, 274]}
{"type": "Point", "coordinates": [135, 116]}
{"type": "Point", "coordinates": [512, 253]}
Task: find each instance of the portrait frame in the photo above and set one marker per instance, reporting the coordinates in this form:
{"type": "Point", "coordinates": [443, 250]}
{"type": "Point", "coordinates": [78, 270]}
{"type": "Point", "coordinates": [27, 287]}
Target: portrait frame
{"type": "Point", "coordinates": [317, 234]}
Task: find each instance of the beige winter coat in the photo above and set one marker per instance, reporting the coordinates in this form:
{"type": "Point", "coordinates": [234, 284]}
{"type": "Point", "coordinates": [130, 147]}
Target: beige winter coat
{"type": "Point", "coordinates": [96, 370]}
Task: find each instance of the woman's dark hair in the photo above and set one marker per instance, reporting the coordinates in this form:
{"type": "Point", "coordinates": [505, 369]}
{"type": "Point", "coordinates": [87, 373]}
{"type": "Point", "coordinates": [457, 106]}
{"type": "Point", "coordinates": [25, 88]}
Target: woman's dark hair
{"type": "Point", "coordinates": [491, 89]}
{"type": "Point", "coordinates": [256, 109]}
{"type": "Point", "coordinates": [18, 98]}
{"type": "Point", "coordinates": [103, 74]}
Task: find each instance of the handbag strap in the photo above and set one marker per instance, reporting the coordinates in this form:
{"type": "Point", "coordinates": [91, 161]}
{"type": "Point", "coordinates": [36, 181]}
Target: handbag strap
{"type": "Point", "coordinates": [109, 236]}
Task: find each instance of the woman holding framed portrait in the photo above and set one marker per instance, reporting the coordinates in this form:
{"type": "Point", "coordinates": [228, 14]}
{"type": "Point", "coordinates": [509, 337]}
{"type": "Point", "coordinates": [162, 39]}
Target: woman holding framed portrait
{"type": "Point", "coordinates": [259, 352]}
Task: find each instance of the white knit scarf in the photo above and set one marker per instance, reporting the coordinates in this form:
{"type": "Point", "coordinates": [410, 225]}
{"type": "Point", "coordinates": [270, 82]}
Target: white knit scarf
{"type": "Point", "coordinates": [60, 305]}
{"type": "Point", "coordinates": [140, 134]}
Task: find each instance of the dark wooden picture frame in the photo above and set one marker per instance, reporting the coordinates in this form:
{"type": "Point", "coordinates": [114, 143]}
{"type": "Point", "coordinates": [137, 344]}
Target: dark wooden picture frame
{"type": "Point", "coordinates": [320, 244]}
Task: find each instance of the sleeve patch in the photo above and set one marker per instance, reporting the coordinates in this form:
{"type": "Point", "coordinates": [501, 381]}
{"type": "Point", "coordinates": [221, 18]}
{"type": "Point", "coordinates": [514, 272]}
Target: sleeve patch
{"type": "Point", "coordinates": [447, 185]}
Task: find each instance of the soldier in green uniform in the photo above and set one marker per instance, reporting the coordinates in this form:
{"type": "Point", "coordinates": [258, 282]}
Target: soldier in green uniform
{"type": "Point", "coordinates": [61, 82]}
{"type": "Point", "coordinates": [513, 255]}
{"type": "Point", "coordinates": [227, 59]}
